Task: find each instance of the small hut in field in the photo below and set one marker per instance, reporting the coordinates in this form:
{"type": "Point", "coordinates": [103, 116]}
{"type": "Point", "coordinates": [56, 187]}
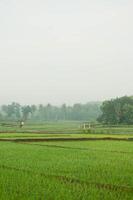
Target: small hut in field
{"type": "Point", "coordinates": [86, 126]}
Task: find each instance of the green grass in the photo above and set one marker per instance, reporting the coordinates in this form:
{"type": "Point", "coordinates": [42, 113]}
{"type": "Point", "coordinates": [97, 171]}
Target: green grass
{"type": "Point", "coordinates": [46, 126]}
{"type": "Point", "coordinates": [72, 170]}
{"type": "Point", "coordinates": [66, 128]}
{"type": "Point", "coordinates": [63, 129]}
{"type": "Point", "coordinates": [86, 170]}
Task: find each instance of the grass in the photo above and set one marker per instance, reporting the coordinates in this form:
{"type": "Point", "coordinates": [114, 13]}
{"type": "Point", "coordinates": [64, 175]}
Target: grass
{"type": "Point", "coordinates": [66, 170]}
{"type": "Point", "coordinates": [66, 128]}
{"type": "Point", "coordinates": [60, 170]}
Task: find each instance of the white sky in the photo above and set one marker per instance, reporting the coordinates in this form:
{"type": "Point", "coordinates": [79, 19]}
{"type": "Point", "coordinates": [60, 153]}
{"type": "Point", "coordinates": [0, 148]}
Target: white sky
{"type": "Point", "coordinates": [65, 50]}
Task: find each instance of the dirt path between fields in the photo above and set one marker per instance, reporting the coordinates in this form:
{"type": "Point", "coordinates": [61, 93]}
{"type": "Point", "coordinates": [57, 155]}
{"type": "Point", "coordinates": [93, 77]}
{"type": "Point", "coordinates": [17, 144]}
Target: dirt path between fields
{"type": "Point", "coordinates": [62, 139]}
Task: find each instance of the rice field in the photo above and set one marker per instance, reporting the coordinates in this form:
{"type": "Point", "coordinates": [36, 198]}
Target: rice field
{"type": "Point", "coordinates": [72, 170]}
{"type": "Point", "coordinates": [59, 161]}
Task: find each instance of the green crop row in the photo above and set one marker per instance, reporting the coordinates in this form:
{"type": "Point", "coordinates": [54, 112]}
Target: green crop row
{"type": "Point", "coordinates": [85, 170]}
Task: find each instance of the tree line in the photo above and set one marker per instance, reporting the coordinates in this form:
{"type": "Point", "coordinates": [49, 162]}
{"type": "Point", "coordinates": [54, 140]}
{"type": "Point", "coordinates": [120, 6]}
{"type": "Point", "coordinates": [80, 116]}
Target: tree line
{"type": "Point", "coordinates": [114, 111]}
{"type": "Point", "coordinates": [39, 113]}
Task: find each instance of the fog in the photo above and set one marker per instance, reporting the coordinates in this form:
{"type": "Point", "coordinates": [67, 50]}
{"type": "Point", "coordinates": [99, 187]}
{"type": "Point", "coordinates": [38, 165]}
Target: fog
{"type": "Point", "coordinates": [65, 51]}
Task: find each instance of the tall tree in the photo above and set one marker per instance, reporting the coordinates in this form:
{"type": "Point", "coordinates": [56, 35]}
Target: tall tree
{"type": "Point", "coordinates": [117, 111]}
{"type": "Point", "coordinates": [26, 110]}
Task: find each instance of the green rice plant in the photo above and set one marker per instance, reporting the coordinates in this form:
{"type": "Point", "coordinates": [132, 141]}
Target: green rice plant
{"type": "Point", "coordinates": [66, 170]}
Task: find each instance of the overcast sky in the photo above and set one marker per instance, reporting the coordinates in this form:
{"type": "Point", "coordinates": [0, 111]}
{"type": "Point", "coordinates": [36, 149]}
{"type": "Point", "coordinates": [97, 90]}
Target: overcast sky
{"type": "Point", "coordinates": [65, 50]}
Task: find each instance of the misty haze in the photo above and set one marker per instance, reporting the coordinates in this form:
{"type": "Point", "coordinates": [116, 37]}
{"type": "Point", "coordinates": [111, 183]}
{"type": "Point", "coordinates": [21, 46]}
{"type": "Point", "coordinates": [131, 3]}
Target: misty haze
{"type": "Point", "coordinates": [65, 51]}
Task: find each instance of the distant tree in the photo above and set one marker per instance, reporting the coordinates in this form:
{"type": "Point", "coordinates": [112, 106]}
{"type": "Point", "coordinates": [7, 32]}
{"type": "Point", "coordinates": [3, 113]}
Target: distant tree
{"type": "Point", "coordinates": [63, 110]}
{"type": "Point", "coordinates": [40, 113]}
{"type": "Point", "coordinates": [26, 110]}
{"type": "Point", "coordinates": [117, 111]}
{"type": "Point", "coordinates": [48, 112]}
{"type": "Point", "coordinates": [12, 111]}
{"type": "Point", "coordinates": [128, 114]}
{"type": "Point", "coordinates": [76, 111]}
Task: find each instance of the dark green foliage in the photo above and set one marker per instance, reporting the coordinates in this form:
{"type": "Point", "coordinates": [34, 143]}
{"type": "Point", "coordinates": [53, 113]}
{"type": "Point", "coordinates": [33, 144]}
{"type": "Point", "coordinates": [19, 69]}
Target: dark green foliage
{"type": "Point", "coordinates": [117, 111]}
{"type": "Point", "coordinates": [26, 110]}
